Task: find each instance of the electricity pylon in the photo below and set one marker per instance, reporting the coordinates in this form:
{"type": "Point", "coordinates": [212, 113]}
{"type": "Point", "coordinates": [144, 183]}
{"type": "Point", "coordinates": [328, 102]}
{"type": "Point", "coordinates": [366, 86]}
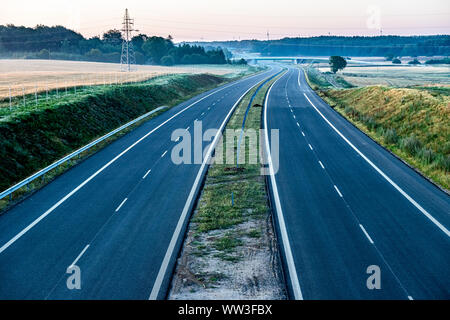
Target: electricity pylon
{"type": "Point", "coordinates": [127, 58]}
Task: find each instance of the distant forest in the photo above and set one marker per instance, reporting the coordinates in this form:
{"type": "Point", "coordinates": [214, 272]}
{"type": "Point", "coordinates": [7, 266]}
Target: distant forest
{"type": "Point", "coordinates": [344, 46]}
{"type": "Point", "coordinates": [43, 42]}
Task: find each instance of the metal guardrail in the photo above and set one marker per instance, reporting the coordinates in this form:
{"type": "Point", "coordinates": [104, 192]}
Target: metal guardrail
{"type": "Point", "coordinates": [42, 172]}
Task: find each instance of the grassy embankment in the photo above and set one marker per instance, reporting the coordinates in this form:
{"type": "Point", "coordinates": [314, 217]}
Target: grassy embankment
{"type": "Point", "coordinates": [413, 123]}
{"type": "Point", "coordinates": [227, 244]}
{"type": "Point", "coordinates": [34, 136]}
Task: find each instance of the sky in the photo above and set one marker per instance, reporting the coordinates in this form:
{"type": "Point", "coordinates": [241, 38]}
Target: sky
{"type": "Point", "coordinates": [208, 20]}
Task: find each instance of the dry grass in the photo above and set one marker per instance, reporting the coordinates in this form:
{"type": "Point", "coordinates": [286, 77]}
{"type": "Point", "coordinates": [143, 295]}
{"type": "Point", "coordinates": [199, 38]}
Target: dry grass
{"type": "Point", "coordinates": [28, 76]}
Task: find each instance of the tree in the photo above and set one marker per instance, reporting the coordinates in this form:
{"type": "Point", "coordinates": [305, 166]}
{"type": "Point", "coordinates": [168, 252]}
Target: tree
{"type": "Point", "coordinates": [337, 63]}
{"type": "Point", "coordinates": [114, 36]}
{"type": "Point", "coordinates": [94, 55]}
{"type": "Point", "coordinates": [156, 48]}
{"type": "Point", "coordinates": [167, 61]}
{"type": "Point", "coordinates": [414, 61]}
{"type": "Point", "coordinates": [138, 41]}
{"type": "Point", "coordinates": [43, 54]}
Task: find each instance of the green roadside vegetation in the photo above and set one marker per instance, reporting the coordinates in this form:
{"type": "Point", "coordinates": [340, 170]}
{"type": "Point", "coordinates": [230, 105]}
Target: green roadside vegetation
{"type": "Point", "coordinates": [34, 136]}
{"type": "Point", "coordinates": [232, 216]}
{"type": "Point", "coordinates": [320, 80]}
{"type": "Point", "coordinates": [413, 123]}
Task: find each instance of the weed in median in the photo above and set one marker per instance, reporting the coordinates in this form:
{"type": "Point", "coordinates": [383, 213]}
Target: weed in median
{"type": "Point", "coordinates": [227, 243]}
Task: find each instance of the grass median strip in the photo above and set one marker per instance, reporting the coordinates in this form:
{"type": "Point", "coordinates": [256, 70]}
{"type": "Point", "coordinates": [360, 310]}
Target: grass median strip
{"type": "Point", "coordinates": [230, 251]}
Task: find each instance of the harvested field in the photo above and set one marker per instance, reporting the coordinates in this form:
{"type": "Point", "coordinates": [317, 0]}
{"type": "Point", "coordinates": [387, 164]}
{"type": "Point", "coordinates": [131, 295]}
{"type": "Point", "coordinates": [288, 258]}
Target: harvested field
{"type": "Point", "coordinates": [30, 76]}
{"type": "Point", "coordinates": [395, 76]}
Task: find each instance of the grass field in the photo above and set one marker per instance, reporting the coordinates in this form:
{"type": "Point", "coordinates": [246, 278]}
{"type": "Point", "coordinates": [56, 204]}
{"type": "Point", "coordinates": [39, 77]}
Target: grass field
{"type": "Point", "coordinates": [30, 76]}
{"type": "Point", "coordinates": [395, 76]}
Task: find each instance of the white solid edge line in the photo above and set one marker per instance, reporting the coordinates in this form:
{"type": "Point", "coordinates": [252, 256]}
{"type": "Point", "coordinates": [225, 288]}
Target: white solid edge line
{"type": "Point", "coordinates": [163, 269]}
{"type": "Point", "coordinates": [407, 196]}
{"type": "Point", "coordinates": [337, 190]}
{"type": "Point", "coordinates": [365, 232]}
{"type": "Point", "coordinates": [284, 235]}
{"type": "Point", "coordinates": [146, 174]}
{"type": "Point", "coordinates": [67, 196]}
{"type": "Point", "coordinates": [121, 204]}
{"type": "Point", "coordinates": [79, 256]}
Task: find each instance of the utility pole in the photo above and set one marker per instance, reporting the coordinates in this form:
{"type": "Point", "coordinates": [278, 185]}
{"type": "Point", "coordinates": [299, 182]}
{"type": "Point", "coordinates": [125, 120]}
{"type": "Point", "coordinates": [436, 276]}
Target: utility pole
{"type": "Point", "coordinates": [267, 35]}
{"type": "Point", "coordinates": [127, 59]}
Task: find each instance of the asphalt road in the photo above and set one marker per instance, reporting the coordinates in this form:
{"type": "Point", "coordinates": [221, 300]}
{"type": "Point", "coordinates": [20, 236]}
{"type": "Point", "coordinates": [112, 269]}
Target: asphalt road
{"type": "Point", "coordinates": [346, 204]}
{"type": "Point", "coordinates": [119, 216]}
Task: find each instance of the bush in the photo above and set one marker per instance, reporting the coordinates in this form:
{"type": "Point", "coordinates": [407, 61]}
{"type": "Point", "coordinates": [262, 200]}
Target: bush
{"type": "Point", "coordinates": [369, 121]}
{"type": "Point", "coordinates": [240, 61]}
{"type": "Point", "coordinates": [43, 54]}
{"type": "Point", "coordinates": [426, 155]}
{"type": "Point", "coordinates": [390, 136]}
{"type": "Point", "coordinates": [444, 163]}
{"type": "Point", "coordinates": [94, 55]}
{"type": "Point", "coordinates": [415, 61]}
{"type": "Point", "coordinates": [167, 61]}
{"type": "Point", "coordinates": [396, 61]}
{"type": "Point", "coordinates": [438, 61]}
{"type": "Point", "coordinates": [411, 145]}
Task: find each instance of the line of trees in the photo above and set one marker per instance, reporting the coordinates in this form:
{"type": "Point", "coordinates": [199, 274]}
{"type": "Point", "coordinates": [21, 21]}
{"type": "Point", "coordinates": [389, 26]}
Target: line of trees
{"type": "Point", "coordinates": [345, 46]}
{"type": "Point", "coordinates": [43, 42]}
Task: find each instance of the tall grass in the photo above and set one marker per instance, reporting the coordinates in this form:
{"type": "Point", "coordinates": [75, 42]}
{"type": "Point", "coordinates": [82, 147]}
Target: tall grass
{"type": "Point", "coordinates": [413, 123]}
